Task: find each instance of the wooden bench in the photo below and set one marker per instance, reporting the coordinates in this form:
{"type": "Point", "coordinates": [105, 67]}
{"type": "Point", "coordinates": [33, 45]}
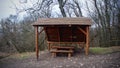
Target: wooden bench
{"type": "Point", "coordinates": [54, 52]}
{"type": "Point", "coordinates": [61, 49]}
{"type": "Point", "coordinates": [80, 44]}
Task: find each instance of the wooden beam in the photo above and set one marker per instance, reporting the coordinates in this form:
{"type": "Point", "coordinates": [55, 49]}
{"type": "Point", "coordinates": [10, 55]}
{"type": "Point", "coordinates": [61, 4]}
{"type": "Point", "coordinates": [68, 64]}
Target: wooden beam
{"type": "Point", "coordinates": [49, 46]}
{"type": "Point", "coordinates": [87, 40]}
{"type": "Point", "coordinates": [41, 31]}
{"type": "Point", "coordinates": [36, 42]}
{"type": "Point", "coordinates": [82, 30]}
{"type": "Point", "coordinates": [65, 42]}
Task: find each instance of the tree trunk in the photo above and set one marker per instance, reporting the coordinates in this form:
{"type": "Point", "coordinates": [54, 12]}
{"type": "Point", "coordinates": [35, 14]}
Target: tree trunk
{"type": "Point", "coordinates": [61, 5]}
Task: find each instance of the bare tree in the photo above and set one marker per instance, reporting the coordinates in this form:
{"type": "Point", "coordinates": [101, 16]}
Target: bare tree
{"type": "Point", "coordinates": [73, 6]}
{"type": "Point", "coordinates": [61, 6]}
{"type": "Point", "coordinates": [104, 15]}
{"type": "Point", "coordinates": [79, 8]}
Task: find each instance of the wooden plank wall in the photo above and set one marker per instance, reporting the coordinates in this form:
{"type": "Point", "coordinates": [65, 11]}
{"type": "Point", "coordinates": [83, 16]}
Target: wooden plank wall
{"type": "Point", "coordinates": [65, 34]}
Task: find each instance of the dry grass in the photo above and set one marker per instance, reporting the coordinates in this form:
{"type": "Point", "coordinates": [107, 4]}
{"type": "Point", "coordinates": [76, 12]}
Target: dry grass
{"type": "Point", "coordinates": [94, 50]}
{"type": "Point", "coordinates": [22, 55]}
{"type": "Point", "coordinates": [2, 55]}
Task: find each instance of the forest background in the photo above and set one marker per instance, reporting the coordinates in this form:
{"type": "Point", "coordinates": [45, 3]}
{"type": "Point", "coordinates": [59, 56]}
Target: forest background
{"type": "Point", "coordinates": [17, 35]}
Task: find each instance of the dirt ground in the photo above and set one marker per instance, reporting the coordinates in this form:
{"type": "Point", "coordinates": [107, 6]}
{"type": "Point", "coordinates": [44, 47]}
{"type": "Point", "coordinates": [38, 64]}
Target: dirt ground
{"type": "Point", "coordinates": [78, 60]}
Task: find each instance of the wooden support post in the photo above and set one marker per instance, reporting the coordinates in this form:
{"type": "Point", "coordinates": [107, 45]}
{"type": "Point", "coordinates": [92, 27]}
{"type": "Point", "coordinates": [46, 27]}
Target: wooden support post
{"type": "Point", "coordinates": [49, 46]}
{"type": "Point", "coordinates": [69, 55]}
{"type": "Point", "coordinates": [36, 42]}
{"type": "Point", "coordinates": [87, 40]}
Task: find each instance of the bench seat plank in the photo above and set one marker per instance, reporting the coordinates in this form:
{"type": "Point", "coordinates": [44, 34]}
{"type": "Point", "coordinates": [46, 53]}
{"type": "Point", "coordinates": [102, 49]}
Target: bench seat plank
{"type": "Point", "coordinates": [61, 47]}
{"type": "Point", "coordinates": [61, 51]}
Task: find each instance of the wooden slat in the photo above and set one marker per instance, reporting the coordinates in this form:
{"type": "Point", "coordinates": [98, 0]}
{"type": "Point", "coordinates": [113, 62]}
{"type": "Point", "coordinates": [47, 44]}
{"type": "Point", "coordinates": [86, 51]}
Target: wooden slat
{"type": "Point", "coordinates": [52, 33]}
{"type": "Point", "coordinates": [62, 51]}
{"type": "Point", "coordinates": [62, 47]}
{"type": "Point", "coordinates": [65, 42]}
{"type": "Point", "coordinates": [54, 52]}
{"type": "Point", "coordinates": [65, 34]}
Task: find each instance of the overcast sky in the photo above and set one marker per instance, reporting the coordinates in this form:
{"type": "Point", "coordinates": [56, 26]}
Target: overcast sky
{"type": "Point", "coordinates": [7, 7]}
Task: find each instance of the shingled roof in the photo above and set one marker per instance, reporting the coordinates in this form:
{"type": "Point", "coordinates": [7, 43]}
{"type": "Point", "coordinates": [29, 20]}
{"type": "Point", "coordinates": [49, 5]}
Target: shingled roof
{"type": "Point", "coordinates": [63, 21]}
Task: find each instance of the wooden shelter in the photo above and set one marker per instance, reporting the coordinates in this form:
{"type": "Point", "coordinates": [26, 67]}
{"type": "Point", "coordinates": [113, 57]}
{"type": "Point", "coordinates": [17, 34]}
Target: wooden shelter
{"type": "Point", "coordinates": [64, 30]}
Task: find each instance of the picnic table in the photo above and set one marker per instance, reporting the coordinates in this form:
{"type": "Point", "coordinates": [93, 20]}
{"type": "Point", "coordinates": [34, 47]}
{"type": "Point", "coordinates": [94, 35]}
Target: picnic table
{"type": "Point", "coordinates": [62, 49]}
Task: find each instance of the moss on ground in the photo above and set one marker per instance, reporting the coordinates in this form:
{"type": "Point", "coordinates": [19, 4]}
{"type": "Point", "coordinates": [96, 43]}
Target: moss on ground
{"type": "Point", "coordinates": [104, 50]}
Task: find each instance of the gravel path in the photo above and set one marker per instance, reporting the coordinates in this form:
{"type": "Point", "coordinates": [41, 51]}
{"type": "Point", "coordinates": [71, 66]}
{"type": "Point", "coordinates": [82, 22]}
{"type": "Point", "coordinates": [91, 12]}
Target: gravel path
{"type": "Point", "coordinates": [77, 61]}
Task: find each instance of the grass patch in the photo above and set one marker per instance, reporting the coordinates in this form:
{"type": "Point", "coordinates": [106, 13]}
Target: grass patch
{"type": "Point", "coordinates": [104, 50]}
{"type": "Point", "coordinates": [22, 55]}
